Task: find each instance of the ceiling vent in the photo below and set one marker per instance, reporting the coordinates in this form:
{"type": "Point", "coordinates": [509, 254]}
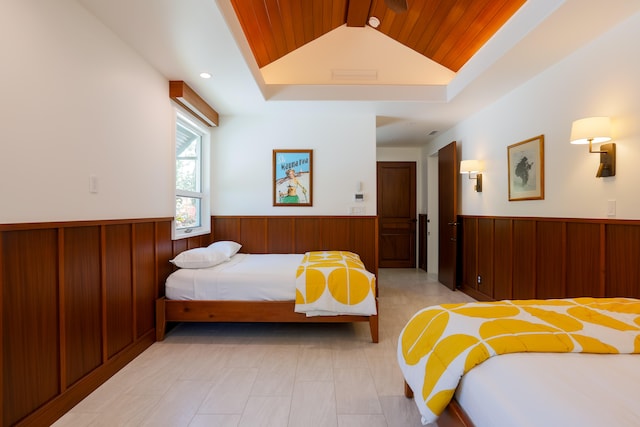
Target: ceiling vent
{"type": "Point", "coordinates": [354, 74]}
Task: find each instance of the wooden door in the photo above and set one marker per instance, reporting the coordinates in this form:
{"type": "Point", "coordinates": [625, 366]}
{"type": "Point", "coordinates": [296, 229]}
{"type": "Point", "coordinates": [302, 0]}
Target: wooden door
{"type": "Point", "coordinates": [396, 182]}
{"type": "Point", "coordinates": [448, 215]}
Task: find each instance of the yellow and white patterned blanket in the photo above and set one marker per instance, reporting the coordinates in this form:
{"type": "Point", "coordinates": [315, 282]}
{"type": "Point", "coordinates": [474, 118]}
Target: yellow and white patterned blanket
{"type": "Point", "coordinates": [441, 343]}
{"type": "Point", "coordinates": [334, 282]}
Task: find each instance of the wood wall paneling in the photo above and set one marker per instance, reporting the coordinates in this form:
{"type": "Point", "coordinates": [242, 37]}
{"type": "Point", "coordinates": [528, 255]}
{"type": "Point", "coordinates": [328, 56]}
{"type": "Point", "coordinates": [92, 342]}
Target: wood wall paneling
{"type": "Point", "coordinates": [119, 287]}
{"type": "Point", "coordinates": [145, 292]}
{"type": "Point", "coordinates": [485, 256]}
{"type": "Point", "coordinates": [299, 234]}
{"type": "Point", "coordinates": [30, 316]}
{"type": "Point", "coordinates": [337, 234]}
{"type": "Point", "coordinates": [253, 235]}
{"type": "Point", "coordinates": [308, 235]}
{"type": "Point", "coordinates": [77, 305]}
{"type": "Point", "coordinates": [164, 253]}
{"type": "Point", "coordinates": [524, 259]}
{"type": "Point", "coordinates": [583, 260]}
{"type": "Point", "coordinates": [281, 236]}
{"type": "Point", "coordinates": [225, 228]}
{"type": "Point", "coordinates": [550, 259]}
{"type": "Point", "coordinates": [502, 259]}
{"type": "Point", "coordinates": [469, 238]}
{"type": "Point", "coordinates": [82, 301]}
{"type": "Point", "coordinates": [622, 261]}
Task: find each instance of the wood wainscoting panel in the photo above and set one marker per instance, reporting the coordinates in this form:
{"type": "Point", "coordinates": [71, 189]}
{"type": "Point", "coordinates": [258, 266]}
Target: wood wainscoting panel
{"type": "Point", "coordinates": [550, 259]}
{"type": "Point", "coordinates": [164, 253]}
{"type": "Point", "coordinates": [524, 259]}
{"type": "Point", "coordinates": [503, 259]}
{"type": "Point", "coordinates": [337, 234]}
{"type": "Point", "coordinates": [30, 335]}
{"type": "Point", "coordinates": [145, 292]}
{"type": "Point", "coordinates": [308, 235]}
{"type": "Point", "coordinates": [485, 256]}
{"type": "Point", "coordinates": [82, 301]}
{"type": "Point", "coordinates": [253, 235]}
{"type": "Point", "coordinates": [299, 234]}
{"type": "Point", "coordinates": [118, 271]}
{"type": "Point", "coordinates": [281, 236]}
{"type": "Point", "coordinates": [77, 305]}
{"type": "Point", "coordinates": [468, 235]}
{"type": "Point", "coordinates": [583, 260]}
{"type": "Point", "coordinates": [622, 260]}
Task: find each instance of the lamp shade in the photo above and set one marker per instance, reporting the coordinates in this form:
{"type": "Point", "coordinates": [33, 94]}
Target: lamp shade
{"type": "Point", "coordinates": [471, 166]}
{"type": "Point", "coordinates": [596, 129]}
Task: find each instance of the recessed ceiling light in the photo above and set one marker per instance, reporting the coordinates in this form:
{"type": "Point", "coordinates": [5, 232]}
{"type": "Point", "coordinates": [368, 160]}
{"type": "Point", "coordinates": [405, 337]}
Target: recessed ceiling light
{"type": "Point", "coordinates": [374, 22]}
{"type": "Point", "coordinates": [205, 75]}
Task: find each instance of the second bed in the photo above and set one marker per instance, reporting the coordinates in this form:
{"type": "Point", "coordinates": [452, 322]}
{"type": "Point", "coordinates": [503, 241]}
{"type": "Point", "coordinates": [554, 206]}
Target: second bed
{"type": "Point", "coordinates": [270, 288]}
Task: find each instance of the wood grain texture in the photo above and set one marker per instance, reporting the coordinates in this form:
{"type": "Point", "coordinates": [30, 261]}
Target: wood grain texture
{"type": "Point", "coordinates": [550, 260]}
{"type": "Point", "coordinates": [31, 349]}
{"type": "Point", "coordinates": [502, 259]}
{"type": "Point", "coordinates": [57, 324]}
{"type": "Point", "coordinates": [299, 234]}
{"type": "Point", "coordinates": [553, 257]}
{"type": "Point", "coordinates": [622, 260]}
{"type": "Point", "coordinates": [119, 288]}
{"type": "Point", "coordinates": [485, 256]}
{"type": "Point", "coordinates": [583, 260]}
{"type": "Point", "coordinates": [447, 32]}
{"type": "Point", "coordinates": [83, 301]}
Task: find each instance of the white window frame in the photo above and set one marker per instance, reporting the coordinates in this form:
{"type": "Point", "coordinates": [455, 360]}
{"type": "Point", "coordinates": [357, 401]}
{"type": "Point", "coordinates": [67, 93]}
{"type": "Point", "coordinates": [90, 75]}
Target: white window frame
{"type": "Point", "coordinates": [204, 194]}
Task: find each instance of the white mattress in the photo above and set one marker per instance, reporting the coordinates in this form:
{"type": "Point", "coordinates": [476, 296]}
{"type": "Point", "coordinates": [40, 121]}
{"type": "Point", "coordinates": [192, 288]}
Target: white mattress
{"type": "Point", "coordinates": [550, 389]}
{"type": "Point", "coordinates": [246, 277]}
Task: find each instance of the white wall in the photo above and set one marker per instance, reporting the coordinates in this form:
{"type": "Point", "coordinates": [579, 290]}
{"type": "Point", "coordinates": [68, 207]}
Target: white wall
{"type": "Point", "coordinates": [344, 154]}
{"type": "Point", "coordinates": [77, 102]}
{"type": "Point", "coordinates": [599, 79]}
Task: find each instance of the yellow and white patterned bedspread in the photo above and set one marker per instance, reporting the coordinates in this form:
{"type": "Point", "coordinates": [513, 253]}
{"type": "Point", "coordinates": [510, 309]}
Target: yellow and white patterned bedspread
{"type": "Point", "coordinates": [334, 283]}
{"type": "Point", "coordinates": [441, 343]}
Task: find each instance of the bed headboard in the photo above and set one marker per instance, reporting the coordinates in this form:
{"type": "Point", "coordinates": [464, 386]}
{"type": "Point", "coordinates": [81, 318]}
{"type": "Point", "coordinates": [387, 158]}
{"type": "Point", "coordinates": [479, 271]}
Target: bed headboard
{"type": "Point", "coordinates": [299, 234]}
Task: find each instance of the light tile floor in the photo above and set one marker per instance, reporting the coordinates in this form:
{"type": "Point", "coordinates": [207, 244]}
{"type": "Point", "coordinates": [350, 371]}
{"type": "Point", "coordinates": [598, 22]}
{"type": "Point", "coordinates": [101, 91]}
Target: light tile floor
{"type": "Point", "coordinates": [294, 375]}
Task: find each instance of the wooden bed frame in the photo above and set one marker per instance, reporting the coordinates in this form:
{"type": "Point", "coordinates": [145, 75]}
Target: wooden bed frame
{"type": "Point", "coordinates": [274, 234]}
{"type": "Point", "coordinates": [453, 415]}
{"type": "Point", "coordinates": [244, 311]}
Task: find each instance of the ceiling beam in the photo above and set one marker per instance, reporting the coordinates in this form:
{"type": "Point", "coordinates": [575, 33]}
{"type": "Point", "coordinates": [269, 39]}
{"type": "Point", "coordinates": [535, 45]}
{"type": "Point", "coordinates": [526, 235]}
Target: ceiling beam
{"type": "Point", "coordinates": [358, 12]}
{"type": "Point", "coordinates": [188, 99]}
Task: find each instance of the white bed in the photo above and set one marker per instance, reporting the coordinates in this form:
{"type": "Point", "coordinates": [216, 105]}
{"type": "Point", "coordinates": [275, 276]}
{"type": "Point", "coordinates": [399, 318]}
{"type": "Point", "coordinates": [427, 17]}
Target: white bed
{"type": "Point", "coordinates": [557, 362]}
{"type": "Point", "coordinates": [239, 287]}
{"type": "Point", "coordinates": [255, 277]}
{"type": "Point", "coordinates": [569, 389]}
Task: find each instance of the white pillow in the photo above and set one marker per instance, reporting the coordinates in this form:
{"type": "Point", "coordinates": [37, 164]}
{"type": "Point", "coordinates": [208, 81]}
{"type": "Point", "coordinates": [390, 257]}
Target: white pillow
{"type": "Point", "coordinates": [228, 248]}
{"type": "Point", "coordinates": [199, 258]}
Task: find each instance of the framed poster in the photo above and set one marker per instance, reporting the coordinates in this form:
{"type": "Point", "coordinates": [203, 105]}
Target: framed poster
{"type": "Point", "coordinates": [526, 169]}
{"type": "Point", "coordinates": [292, 177]}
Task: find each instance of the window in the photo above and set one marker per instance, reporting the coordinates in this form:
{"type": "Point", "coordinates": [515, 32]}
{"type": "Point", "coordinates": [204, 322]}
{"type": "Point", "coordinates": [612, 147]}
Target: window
{"type": "Point", "coordinates": [192, 210]}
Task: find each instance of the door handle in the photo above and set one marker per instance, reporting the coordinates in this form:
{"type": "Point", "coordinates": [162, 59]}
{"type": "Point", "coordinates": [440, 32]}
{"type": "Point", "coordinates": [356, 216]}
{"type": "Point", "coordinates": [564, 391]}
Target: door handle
{"type": "Point", "coordinates": [453, 223]}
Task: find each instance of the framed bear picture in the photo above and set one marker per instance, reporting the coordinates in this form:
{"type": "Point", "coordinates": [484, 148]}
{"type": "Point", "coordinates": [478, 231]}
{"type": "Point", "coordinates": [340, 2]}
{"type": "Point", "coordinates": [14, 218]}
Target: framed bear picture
{"type": "Point", "coordinates": [526, 169]}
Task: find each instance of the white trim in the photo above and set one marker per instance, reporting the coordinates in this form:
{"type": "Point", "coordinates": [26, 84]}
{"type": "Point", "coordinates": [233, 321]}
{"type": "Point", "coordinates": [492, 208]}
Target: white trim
{"type": "Point", "coordinates": [205, 193]}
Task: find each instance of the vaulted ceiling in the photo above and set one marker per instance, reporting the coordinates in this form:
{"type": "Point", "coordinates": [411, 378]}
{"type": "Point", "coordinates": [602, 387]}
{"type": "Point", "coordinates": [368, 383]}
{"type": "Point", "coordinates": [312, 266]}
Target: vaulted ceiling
{"type": "Point", "coordinates": [448, 32]}
{"type": "Point", "coordinates": [228, 38]}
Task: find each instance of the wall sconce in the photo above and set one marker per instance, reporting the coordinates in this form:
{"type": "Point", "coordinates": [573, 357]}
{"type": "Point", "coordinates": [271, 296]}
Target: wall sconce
{"type": "Point", "coordinates": [596, 130]}
{"type": "Point", "coordinates": [473, 167]}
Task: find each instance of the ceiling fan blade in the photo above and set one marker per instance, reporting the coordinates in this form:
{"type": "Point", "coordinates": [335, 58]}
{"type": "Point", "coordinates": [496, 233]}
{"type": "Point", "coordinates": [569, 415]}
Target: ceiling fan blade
{"type": "Point", "coordinates": [398, 6]}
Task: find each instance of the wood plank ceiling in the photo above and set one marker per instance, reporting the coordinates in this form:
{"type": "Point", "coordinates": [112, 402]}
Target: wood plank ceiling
{"type": "Point", "coordinates": [448, 32]}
